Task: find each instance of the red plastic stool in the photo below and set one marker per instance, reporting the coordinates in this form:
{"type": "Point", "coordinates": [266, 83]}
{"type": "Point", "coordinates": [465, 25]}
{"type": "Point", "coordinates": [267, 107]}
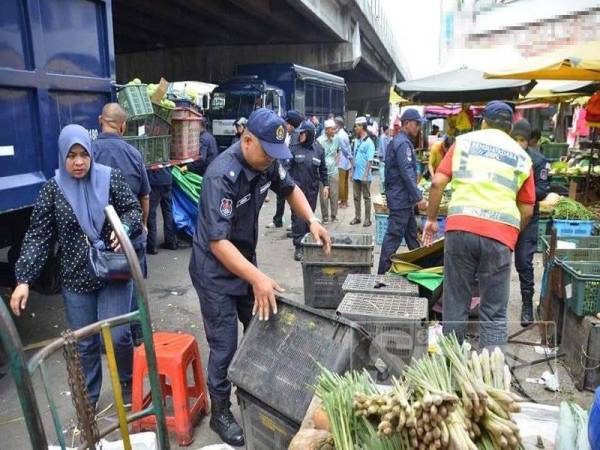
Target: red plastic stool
{"type": "Point", "coordinates": [174, 354]}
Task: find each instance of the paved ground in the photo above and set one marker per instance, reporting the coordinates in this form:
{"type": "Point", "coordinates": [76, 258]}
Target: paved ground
{"type": "Point", "coordinates": [174, 307]}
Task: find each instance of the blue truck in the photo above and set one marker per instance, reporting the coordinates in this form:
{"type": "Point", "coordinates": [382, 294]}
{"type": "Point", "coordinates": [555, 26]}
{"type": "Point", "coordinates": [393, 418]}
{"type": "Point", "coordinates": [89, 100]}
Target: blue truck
{"type": "Point", "coordinates": [57, 67]}
{"type": "Point", "coordinates": [278, 87]}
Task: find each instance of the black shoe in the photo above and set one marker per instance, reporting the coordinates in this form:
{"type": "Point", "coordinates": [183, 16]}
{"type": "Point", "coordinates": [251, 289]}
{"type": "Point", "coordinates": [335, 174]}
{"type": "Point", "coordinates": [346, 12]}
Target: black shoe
{"type": "Point", "coordinates": [136, 334]}
{"type": "Point", "coordinates": [224, 424]}
{"type": "Point", "coordinates": [168, 246]}
{"type": "Point", "coordinates": [325, 220]}
{"type": "Point", "coordinates": [151, 251]}
{"type": "Point", "coordinates": [298, 254]}
{"type": "Point", "coordinates": [367, 223]}
{"type": "Point", "coordinates": [183, 244]}
{"type": "Point", "coordinates": [527, 312]}
{"type": "Point", "coordinates": [355, 221]}
{"type": "Point", "coordinates": [289, 234]}
{"type": "Point", "coordinates": [126, 392]}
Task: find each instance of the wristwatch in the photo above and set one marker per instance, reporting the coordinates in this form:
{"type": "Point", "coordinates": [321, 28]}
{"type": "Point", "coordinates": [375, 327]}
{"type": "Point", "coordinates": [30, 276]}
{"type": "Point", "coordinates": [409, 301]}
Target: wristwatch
{"type": "Point", "coordinates": [314, 220]}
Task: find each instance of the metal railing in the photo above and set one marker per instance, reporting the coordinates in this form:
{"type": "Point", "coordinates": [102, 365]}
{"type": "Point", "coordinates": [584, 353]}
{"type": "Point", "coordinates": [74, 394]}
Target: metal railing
{"type": "Point", "coordinates": [22, 371]}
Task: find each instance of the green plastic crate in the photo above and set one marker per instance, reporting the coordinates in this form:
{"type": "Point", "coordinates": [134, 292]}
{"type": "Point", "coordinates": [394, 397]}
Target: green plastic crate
{"type": "Point", "coordinates": [581, 281]}
{"type": "Point", "coordinates": [555, 150]}
{"type": "Point", "coordinates": [543, 225]}
{"type": "Point", "coordinates": [165, 114]}
{"type": "Point", "coordinates": [587, 249]}
{"type": "Point", "coordinates": [134, 99]}
{"type": "Point", "coordinates": [154, 149]}
{"type": "Point", "coordinates": [152, 125]}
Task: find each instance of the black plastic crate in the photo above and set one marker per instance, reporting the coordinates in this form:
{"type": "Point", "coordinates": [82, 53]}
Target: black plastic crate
{"type": "Point", "coordinates": [379, 284]}
{"type": "Point", "coordinates": [345, 248]}
{"type": "Point", "coordinates": [276, 361]}
{"type": "Point", "coordinates": [264, 428]}
{"type": "Point", "coordinates": [398, 324]}
{"type": "Point", "coordinates": [581, 346]}
{"type": "Point", "coordinates": [323, 282]}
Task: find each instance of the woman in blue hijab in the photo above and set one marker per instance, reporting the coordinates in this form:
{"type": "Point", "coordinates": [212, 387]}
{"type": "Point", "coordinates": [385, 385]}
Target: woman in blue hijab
{"type": "Point", "coordinates": [70, 211]}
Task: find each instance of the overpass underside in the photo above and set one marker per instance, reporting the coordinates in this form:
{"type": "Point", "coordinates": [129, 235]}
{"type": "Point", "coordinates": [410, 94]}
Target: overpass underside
{"type": "Point", "coordinates": [205, 40]}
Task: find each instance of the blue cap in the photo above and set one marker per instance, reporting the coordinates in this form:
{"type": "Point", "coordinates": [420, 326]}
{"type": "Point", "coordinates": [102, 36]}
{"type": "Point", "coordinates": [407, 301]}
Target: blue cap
{"type": "Point", "coordinates": [293, 117]}
{"type": "Point", "coordinates": [411, 114]}
{"type": "Point", "coordinates": [497, 111]}
{"type": "Point", "coordinates": [306, 125]}
{"type": "Point", "coordinates": [269, 128]}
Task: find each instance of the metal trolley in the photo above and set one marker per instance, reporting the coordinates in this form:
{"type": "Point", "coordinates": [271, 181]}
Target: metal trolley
{"type": "Point", "coordinates": [22, 370]}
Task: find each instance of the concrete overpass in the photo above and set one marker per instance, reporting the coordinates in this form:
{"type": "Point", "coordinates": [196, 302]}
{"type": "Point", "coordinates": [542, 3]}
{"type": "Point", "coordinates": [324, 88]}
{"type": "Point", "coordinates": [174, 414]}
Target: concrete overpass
{"type": "Point", "coordinates": [205, 39]}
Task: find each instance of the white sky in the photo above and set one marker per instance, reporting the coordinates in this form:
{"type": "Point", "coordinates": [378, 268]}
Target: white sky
{"type": "Point", "coordinates": [417, 28]}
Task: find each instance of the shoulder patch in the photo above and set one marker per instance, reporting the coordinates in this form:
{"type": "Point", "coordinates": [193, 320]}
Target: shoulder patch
{"type": "Point", "coordinates": [544, 174]}
{"type": "Point", "coordinates": [226, 207]}
{"type": "Point", "coordinates": [409, 153]}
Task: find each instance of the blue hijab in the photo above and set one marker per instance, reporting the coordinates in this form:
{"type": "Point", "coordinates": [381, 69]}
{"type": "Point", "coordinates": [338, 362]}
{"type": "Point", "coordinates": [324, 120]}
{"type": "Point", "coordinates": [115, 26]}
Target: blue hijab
{"type": "Point", "coordinates": [89, 195]}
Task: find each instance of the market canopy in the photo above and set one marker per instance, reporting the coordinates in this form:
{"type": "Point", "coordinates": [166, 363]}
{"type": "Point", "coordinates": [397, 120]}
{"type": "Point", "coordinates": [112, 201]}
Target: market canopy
{"type": "Point", "coordinates": [577, 87]}
{"type": "Point", "coordinates": [461, 86]}
{"type": "Point", "coordinates": [579, 62]}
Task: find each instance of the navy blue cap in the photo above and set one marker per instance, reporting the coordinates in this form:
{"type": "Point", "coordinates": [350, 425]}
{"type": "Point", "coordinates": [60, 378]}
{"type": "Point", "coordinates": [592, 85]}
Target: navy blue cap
{"type": "Point", "coordinates": [269, 128]}
{"type": "Point", "coordinates": [306, 125]}
{"type": "Point", "coordinates": [411, 114]}
{"type": "Point", "coordinates": [293, 117]}
{"type": "Point", "coordinates": [497, 111]}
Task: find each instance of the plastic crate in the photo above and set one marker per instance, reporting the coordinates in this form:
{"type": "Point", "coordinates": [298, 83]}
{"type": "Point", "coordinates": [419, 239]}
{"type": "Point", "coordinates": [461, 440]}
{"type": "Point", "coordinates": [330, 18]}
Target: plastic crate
{"type": "Point", "coordinates": [278, 360]}
{"type": "Point", "coordinates": [345, 248]}
{"type": "Point", "coordinates": [154, 149]}
{"type": "Point", "coordinates": [573, 227]}
{"type": "Point", "coordinates": [323, 282]}
{"type": "Point", "coordinates": [543, 226]}
{"type": "Point", "coordinates": [441, 225]}
{"type": "Point", "coordinates": [379, 284]}
{"type": "Point", "coordinates": [398, 324]}
{"type": "Point", "coordinates": [134, 99]}
{"type": "Point", "coordinates": [152, 125]}
{"type": "Point", "coordinates": [264, 428]}
{"type": "Point", "coordinates": [581, 281]}
{"type": "Point", "coordinates": [186, 136]}
{"type": "Point", "coordinates": [554, 151]}
{"type": "Point", "coordinates": [381, 224]}
{"type": "Point", "coordinates": [587, 249]}
{"type": "Point", "coordinates": [581, 347]}
{"type": "Point", "coordinates": [165, 114]}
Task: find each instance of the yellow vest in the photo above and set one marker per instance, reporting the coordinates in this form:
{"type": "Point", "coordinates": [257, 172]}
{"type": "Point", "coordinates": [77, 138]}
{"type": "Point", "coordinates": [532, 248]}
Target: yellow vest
{"type": "Point", "coordinates": [488, 170]}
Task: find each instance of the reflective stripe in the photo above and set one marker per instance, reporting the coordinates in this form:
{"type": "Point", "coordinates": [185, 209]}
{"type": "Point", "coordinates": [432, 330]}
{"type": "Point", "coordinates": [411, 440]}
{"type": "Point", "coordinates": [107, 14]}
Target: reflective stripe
{"type": "Point", "coordinates": [496, 178]}
{"type": "Point", "coordinates": [485, 214]}
{"type": "Point", "coordinates": [494, 153]}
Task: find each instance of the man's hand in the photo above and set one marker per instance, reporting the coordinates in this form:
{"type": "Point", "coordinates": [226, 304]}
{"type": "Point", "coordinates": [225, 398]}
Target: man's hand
{"type": "Point", "coordinates": [422, 205]}
{"type": "Point", "coordinates": [321, 236]}
{"type": "Point", "coordinates": [429, 231]}
{"type": "Point", "coordinates": [264, 296]}
{"type": "Point", "coordinates": [326, 192]}
{"type": "Point", "coordinates": [18, 299]}
{"type": "Point", "coordinates": [183, 169]}
{"type": "Point", "coordinates": [114, 242]}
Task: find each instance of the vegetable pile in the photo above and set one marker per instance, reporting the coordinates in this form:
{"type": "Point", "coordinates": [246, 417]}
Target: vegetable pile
{"type": "Point", "coordinates": [567, 209]}
{"type": "Point", "coordinates": [456, 399]}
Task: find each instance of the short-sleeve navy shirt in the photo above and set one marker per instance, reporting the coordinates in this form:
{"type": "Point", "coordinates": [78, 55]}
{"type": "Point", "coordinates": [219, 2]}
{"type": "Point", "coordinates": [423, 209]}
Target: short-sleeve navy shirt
{"type": "Point", "coordinates": [111, 150]}
{"type": "Point", "coordinates": [230, 201]}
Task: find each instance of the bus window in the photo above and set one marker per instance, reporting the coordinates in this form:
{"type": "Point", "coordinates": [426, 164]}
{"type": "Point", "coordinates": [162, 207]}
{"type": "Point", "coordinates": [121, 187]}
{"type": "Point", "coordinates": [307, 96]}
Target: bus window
{"type": "Point", "coordinates": [309, 99]}
{"type": "Point", "coordinates": [270, 100]}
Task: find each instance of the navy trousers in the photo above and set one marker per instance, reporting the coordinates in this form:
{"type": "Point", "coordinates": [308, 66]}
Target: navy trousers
{"type": "Point", "coordinates": [163, 196]}
{"type": "Point", "coordinates": [220, 314]}
{"type": "Point", "coordinates": [401, 224]}
{"type": "Point", "coordinates": [299, 226]}
{"type": "Point", "coordinates": [524, 258]}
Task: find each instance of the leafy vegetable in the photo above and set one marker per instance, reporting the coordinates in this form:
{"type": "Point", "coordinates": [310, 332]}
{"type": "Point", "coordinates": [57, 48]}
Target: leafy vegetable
{"type": "Point", "coordinates": [567, 209]}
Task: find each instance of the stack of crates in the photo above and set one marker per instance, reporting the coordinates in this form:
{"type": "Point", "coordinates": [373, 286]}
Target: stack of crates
{"type": "Point", "coordinates": [148, 127]}
{"type": "Point", "coordinates": [389, 308]}
{"type": "Point", "coordinates": [554, 151]}
{"type": "Point", "coordinates": [278, 362]}
{"type": "Point", "coordinates": [324, 275]}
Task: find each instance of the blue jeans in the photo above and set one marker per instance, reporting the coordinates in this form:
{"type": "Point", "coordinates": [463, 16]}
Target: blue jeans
{"type": "Point", "coordinates": [83, 309]}
{"type": "Point", "coordinates": [401, 225]}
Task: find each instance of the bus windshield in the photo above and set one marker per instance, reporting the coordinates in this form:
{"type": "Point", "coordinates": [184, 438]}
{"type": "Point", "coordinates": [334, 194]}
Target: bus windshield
{"type": "Point", "coordinates": [234, 104]}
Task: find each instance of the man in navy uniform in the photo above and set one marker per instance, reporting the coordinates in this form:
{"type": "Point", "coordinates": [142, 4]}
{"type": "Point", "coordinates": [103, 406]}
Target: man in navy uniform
{"type": "Point", "coordinates": [223, 263]}
{"type": "Point", "coordinates": [402, 193]}
{"type": "Point", "coordinates": [307, 168]}
{"type": "Point", "coordinates": [527, 243]}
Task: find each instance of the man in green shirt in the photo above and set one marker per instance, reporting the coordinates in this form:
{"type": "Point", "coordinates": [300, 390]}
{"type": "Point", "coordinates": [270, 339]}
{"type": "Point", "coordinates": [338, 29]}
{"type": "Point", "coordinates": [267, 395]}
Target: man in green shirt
{"type": "Point", "coordinates": [329, 142]}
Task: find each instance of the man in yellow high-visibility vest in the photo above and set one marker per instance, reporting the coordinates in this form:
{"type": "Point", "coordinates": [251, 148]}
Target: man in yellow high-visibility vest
{"type": "Point", "coordinates": [492, 201]}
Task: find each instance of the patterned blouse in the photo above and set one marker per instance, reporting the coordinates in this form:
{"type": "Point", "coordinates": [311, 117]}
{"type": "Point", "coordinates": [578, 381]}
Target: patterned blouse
{"type": "Point", "coordinates": [53, 220]}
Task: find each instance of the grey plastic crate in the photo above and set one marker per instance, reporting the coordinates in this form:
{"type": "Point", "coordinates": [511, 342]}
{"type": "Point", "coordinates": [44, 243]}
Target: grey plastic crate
{"type": "Point", "coordinates": [323, 282]}
{"type": "Point", "coordinates": [345, 248]}
{"type": "Point", "coordinates": [398, 324]}
{"type": "Point", "coordinates": [264, 428]}
{"type": "Point", "coordinates": [277, 360]}
{"type": "Point", "coordinates": [380, 284]}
